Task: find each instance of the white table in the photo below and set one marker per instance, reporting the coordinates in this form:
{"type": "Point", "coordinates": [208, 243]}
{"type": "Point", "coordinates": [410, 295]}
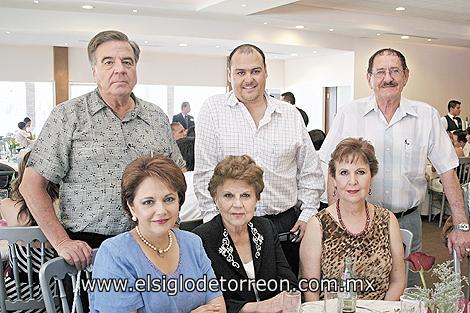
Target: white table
{"type": "Point", "coordinates": [369, 306]}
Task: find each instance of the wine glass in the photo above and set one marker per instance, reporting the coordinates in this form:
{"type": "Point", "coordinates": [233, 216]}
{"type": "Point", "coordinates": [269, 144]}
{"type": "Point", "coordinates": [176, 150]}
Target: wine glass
{"type": "Point", "coordinates": [291, 303]}
{"type": "Point", "coordinates": [460, 303]}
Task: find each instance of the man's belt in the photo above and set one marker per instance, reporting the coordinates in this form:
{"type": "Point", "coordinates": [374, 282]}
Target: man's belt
{"type": "Point", "coordinates": [401, 214]}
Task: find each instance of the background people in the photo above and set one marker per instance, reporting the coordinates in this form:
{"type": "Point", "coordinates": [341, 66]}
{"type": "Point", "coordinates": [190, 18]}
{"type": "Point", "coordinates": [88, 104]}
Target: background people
{"type": "Point", "coordinates": [23, 137]}
{"type": "Point", "coordinates": [353, 227]}
{"type": "Point", "coordinates": [177, 130]}
{"type": "Point", "coordinates": [272, 132]}
{"type": "Point", "coordinates": [240, 245]}
{"type": "Point", "coordinates": [186, 120]}
{"type": "Point", "coordinates": [85, 145]}
{"type": "Point", "coordinates": [452, 121]}
{"type": "Point", "coordinates": [405, 134]}
{"type": "Point", "coordinates": [290, 98]}
{"type": "Point", "coordinates": [190, 209]}
{"type": "Point", "coordinates": [152, 192]}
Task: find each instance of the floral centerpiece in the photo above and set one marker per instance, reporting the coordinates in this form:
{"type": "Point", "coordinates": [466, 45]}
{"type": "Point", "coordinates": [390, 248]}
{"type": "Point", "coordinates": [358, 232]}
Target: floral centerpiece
{"type": "Point", "coordinates": [446, 294]}
{"type": "Point", "coordinates": [12, 145]}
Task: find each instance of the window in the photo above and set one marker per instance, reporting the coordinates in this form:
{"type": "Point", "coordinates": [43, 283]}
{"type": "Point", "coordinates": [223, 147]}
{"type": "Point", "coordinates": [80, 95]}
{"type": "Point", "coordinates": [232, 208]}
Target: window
{"type": "Point", "coordinates": [20, 99]}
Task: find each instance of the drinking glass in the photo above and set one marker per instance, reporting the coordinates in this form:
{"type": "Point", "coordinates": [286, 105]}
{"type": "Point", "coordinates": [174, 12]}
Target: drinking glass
{"type": "Point", "coordinates": [291, 303]}
{"type": "Point", "coordinates": [312, 307]}
{"type": "Point", "coordinates": [330, 301]}
{"type": "Point", "coordinates": [460, 302]}
{"type": "Point", "coordinates": [410, 304]}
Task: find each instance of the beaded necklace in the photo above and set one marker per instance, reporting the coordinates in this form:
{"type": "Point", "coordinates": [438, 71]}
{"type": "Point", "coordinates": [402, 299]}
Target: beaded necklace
{"type": "Point", "coordinates": [338, 212]}
{"type": "Point", "coordinates": [160, 251]}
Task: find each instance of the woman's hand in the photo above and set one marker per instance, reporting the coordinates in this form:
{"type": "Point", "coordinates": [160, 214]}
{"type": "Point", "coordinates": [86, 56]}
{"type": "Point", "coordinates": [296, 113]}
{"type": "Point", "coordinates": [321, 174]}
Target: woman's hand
{"type": "Point", "coordinates": [273, 305]}
{"type": "Point", "coordinates": [207, 308]}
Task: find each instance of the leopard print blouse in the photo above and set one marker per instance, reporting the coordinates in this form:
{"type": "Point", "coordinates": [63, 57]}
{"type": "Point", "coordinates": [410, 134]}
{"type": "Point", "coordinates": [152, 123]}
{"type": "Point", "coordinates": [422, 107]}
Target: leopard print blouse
{"type": "Point", "coordinates": [372, 258]}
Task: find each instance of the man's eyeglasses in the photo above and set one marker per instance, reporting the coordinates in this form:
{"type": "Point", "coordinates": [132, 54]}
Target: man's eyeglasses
{"type": "Point", "coordinates": [394, 73]}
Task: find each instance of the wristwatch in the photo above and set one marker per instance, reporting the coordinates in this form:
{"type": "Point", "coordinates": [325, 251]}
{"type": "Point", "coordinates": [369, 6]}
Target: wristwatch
{"type": "Point", "coordinates": [462, 227]}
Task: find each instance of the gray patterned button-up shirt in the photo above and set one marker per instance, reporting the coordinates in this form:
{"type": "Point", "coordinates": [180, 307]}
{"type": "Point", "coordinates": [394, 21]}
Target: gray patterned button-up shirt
{"type": "Point", "coordinates": [85, 147]}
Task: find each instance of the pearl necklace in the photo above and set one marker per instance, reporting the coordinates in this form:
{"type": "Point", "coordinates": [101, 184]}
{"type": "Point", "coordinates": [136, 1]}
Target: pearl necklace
{"type": "Point", "coordinates": [158, 250]}
{"type": "Point", "coordinates": [361, 233]}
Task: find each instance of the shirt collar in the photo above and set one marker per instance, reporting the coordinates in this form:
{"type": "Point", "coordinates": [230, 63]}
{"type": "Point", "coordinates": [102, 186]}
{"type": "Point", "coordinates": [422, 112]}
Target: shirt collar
{"type": "Point", "coordinates": [141, 108]}
{"type": "Point", "coordinates": [451, 116]}
{"type": "Point", "coordinates": [272, 104]}
{"type": "Point", "coordinates": [403, 109]}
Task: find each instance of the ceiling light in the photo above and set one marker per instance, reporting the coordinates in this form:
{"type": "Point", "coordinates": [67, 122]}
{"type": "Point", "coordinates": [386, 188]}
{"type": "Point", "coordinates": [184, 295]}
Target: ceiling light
{"type": "Point", "coordinates": [135, 10]}
{"type": "Point", "coordinates": [400, 9]}
{"type": "Point", "coordinates": [378, 34]}
{"type": "Point", "coordinates": [66, 44]}
{"type": "Point", "coordinates": [405, 37]}
{"type": "Point", "coordinates": [300, 26]}
{"type": "Point", "coordinates": [217, 47]}
{"type": "Point", "coordinates": [146, 41]}
{"type": "Point", "coordinates": [183, 44]}
{"type": "Point", "coordinates": [315, 51]}
{"type": "Point", "coordinates": [7, 32]}
{"type": "Point", "coordinates": [429, 39]}
{"type": "Point", "coordinates": [36, 1]}
{"type": "Point", "coordinates": [265, 23]}
{"type": "Point", "coordinates": [243, 5]}
{"type": "Point", "coordinates": [331, 29]}
{"type": "Point", "coordinates": [87, 7]}
{"type": "Point", "coordinates": [294, 55]}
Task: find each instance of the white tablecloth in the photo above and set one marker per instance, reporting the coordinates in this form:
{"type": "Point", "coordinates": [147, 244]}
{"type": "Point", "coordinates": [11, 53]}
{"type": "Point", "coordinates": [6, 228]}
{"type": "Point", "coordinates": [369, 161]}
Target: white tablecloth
{"type": "Point", "coordinates": [375, 306]}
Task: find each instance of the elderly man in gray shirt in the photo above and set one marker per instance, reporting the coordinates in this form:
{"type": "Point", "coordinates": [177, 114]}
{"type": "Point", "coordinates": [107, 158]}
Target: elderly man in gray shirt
{"type": "Point", "coordinates": [85, 145]}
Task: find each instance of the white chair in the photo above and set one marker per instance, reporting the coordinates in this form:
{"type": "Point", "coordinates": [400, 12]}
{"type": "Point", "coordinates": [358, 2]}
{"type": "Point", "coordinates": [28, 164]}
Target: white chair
{"type": "Point", "coordinates": [463, 174]}
{"type": "Point", "coordinates": [21, 291]}
{"type": "Point", "coordinates": [407, 239]}
{"type": "Point", "coordinates": [57, 269]}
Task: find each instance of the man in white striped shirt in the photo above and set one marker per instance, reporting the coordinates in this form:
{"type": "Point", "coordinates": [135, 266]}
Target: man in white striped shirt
{"type": "Point", "coordinates": [405, 135]}
{"type": "Point", "coordinates": [272, 132]}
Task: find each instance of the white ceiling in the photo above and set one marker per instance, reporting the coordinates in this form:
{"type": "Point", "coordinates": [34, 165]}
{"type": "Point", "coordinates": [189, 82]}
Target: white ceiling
{"type": "Point", "coordinates": [215, 27]}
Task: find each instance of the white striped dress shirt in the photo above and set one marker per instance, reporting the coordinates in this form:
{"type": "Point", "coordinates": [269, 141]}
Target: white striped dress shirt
{"type": "Point", "coordinates": [280, 145]}
{"type": "Point", "coordinates": [403, 146]}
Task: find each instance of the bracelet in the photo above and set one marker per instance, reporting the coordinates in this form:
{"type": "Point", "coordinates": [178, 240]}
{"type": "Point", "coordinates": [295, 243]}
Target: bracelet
{"type": "Point", "coordinates": [60, 243]}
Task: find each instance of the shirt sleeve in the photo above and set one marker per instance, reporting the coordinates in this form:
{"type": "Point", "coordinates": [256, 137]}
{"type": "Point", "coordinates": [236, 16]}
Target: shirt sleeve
{"type": "Point", "coordinates": [441, 153]}
{"type": "Point", "coordinates": [310, 180]}
{"type": "Point", "coordinates": [205, 154]}
{"type": "Point", "coordinates": [111, 267]}
{"type": "Point", "coordinates": [213, 290]}
{"type": "Point", "coordinates": [444, 122]}
{"type": "Point", "coordinates": [334, 136]}
{"type": "Point", "coordinates": [50, 153]}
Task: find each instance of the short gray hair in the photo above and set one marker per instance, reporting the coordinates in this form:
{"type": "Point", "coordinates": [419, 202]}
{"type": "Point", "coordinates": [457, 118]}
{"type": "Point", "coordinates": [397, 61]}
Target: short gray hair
{"type": "Point", "coordinates": [110, 35]}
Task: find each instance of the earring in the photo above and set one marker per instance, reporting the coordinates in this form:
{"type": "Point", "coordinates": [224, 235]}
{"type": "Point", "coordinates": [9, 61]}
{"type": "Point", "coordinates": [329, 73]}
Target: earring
{"type": "Point", "coordinates": [370, 191]}
{"type": "Point", "coordinates": [334, 192]}
{"type": "Point", "coordinates": [134, 218]}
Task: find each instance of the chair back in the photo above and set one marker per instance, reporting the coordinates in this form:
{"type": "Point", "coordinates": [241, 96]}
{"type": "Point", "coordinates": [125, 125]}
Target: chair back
{"type": "Point", "coordinates": [6, 176]}
{"type": "Point", "coordinates": [317, 136]}
{"type": "Point", "coordinates": [57, 269]}
{"type": "Point", "coordinates": [463, 170]}
{"type": "Point", "coordinates": [22, 284]}
{"type": "Point", "coordinates": [190, 225]}
{"type": "Point", "coordinates": [407, 239]}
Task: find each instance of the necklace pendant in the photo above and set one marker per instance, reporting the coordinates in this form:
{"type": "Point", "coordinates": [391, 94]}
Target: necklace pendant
{"type": "Point", "coordinates": [160, 251]}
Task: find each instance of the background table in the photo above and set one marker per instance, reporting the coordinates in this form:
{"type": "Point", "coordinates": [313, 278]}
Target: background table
{"type": "Point", "coordinates": [372, 306]}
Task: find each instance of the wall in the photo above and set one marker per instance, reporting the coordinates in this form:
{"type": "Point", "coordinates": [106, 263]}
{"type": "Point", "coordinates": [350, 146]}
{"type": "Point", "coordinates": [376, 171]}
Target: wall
{"type": "Point", "coordinates": [307, 77]}
{"type": "Point", "coordinates": [437, 73]}
{"type": "Point", "coordinates": [174, 69]}
{"type": "Point", "coordinates": [26, 63]}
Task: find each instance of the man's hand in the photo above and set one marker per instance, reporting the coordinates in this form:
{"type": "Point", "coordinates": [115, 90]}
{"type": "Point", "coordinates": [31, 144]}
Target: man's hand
{"type": "Point", "coordinates": [299, 225]}
{"type": "Point", "coordinates": [460, 241]}
{"type": "Point", "coordinates": [75, 252]}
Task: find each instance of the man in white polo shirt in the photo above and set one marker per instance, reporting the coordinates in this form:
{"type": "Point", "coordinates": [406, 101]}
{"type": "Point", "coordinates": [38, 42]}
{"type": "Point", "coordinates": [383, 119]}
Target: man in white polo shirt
{"type": "Point", "coordinates": [405, 134]}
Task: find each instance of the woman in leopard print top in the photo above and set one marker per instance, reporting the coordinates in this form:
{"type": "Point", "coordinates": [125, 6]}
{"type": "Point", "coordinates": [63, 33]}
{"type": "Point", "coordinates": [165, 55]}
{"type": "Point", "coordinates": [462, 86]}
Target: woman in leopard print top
{"type": "Point", "coordinates": [353, 227]}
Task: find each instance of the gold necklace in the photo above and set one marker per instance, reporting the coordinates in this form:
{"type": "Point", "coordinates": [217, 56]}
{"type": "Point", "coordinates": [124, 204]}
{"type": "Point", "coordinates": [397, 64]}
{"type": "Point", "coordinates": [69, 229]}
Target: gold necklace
{"type": "Point", "coordinates": [158, 250]}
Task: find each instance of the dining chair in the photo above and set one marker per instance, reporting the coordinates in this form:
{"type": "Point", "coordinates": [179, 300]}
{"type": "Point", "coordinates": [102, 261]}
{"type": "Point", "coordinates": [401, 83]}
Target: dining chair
{"type": "Point", "coordinates": [7, 174]}
{"type": "Point", "coordinates": [407, 239]}
{"type": "Point", "coordinates": [19, 281]}
{"type": "Point", "coordinates": [57, 270]}
{"type": "Point", "coordinates": [463, 174]}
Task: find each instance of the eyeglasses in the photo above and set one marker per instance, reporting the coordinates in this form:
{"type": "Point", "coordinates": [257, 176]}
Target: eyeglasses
{"type": "Point", "coordinates": [394, 73]}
